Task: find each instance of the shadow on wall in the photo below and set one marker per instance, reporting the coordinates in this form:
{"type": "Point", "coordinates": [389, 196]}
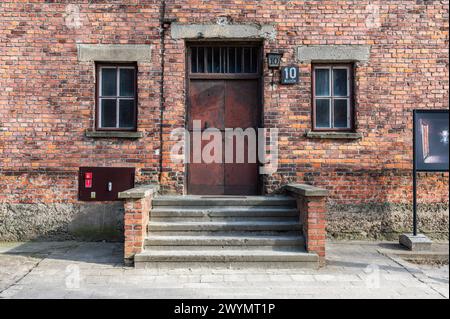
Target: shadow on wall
{"type": "Point", "coordinates": [72, 221]}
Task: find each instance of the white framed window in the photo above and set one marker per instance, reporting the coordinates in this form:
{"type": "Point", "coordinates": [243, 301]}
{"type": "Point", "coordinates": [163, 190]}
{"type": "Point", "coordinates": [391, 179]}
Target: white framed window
{"type": "Point", "coordinates": [332, 97]}
{"type": "Point", "coordinates": [116, 97]}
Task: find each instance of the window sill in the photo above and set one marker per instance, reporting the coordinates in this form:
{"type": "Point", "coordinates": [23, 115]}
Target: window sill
{"type": "Point", "coordinates": [113, 134]}
{"type": "Point", "coordinates": [334, 135]}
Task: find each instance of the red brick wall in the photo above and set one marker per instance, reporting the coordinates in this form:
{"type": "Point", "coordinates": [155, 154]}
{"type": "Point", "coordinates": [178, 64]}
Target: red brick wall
{"type": "Point", "coordinates": [47, 96]}
{"type": "Point", "coordinates": [408, 69]}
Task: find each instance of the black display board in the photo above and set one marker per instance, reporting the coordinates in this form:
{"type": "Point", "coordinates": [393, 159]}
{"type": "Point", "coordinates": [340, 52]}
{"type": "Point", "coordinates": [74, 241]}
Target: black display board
{"type": "Point", "coordinates": [430, 147]}
{"type": "Point", "coordinates": [431, 140]}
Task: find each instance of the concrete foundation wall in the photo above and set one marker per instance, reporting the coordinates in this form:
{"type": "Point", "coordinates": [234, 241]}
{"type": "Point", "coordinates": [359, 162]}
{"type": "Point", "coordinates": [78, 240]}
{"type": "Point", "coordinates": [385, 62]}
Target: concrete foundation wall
{"type": "Point", "coordinates": [386, 221]}
{"type": "Point", "coordinates": [90, 222]}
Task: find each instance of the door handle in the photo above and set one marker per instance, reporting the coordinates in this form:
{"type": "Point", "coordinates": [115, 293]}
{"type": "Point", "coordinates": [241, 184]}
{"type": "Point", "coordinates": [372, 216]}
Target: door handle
{"type": "Point", "coordinates": [109, 186]}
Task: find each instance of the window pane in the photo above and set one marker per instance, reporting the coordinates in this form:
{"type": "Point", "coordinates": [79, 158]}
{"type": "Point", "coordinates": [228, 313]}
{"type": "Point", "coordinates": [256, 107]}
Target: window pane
{"type": "Point", "coordinates": [201, 60]}
{"type": "Point", "coordinates": [247, 61]}
{"type": "Point", "coordinates": [254, 58]}
{"type": "Point", "coordinates": [322, 82]}
{"type": "Point", "coordinates": [340, 82]}
{"type": "Point", "coordinates": [238, 60]}
{"type": "Point", "coordinates": [217, 59]}
{"type": "Point", "coordinates": [108, 113]}
{"type": "Point", "coordinates": [127, 79]}
{"type": "Point", "coordinates": [194, 60]}
{"type": "Point", "coordinates": [126, 113]}
{"type": "Point", "coordinates": [322, 113]}
{"type": "Point", "coordinates": [209, 60]}
{"type": "Point", "coordinates": [340, 113]}
{"type": "Point", "coordinates": [224, 53]}
{"type": "Point", "coordinates": [224, 60]}
{"type": "Point", "coordinates": [232, 60]}
{"type": "Point", "coordinates": [109, 82]}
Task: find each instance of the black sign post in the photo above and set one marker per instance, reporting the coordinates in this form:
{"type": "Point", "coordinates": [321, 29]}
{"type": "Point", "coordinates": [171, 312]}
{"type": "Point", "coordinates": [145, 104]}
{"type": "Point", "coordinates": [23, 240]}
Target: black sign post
{"type": "Point", "coordinates": [430, 147]}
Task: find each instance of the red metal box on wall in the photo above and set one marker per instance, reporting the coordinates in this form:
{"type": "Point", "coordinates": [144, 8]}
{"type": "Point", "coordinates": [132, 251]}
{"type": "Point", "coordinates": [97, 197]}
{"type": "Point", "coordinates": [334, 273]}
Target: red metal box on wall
{"type": "Point", "coordinates": [104, 183]}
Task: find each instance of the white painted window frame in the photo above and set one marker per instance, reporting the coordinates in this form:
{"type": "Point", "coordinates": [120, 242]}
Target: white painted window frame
{"type": "Point", "coordinates": [117, 97]}
{"type": "Point", "coordinates": [331, 97]}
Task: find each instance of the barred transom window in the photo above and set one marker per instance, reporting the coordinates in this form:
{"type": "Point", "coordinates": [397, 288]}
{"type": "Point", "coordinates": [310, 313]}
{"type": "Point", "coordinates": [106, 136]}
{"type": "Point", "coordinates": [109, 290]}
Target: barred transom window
{"type": "Point", "coordinates": [224, 59]}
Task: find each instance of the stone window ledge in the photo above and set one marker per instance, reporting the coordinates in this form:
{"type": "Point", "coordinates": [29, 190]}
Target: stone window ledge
{"type": "Point", "coordinates": [113, 134]}
{"type": "Point", "coordinates": [334, 135]}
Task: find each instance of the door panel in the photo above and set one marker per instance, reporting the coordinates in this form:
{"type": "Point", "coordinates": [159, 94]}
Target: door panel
{"type": "Point", "coordinates": [205, 178]}
{"type": "Point", "coordinates": [223, 104]}
{"type": "Point", "coordinates": [241, 102]}
{"type": "Point", "coordinates": [207, 103]}
{"type": "Point", "coordinates": [240, 178]}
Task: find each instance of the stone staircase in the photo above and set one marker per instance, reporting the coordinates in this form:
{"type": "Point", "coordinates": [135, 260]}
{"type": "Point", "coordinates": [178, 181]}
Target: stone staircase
{"type": "Point", "coordinates": [229, 230]}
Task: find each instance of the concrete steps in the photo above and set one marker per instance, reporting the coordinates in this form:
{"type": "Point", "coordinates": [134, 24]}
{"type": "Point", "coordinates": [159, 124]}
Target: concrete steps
{"type": "Point", "coordinates": [226, 230]}
{"type": "Point", "coordinates": [238, 240]}
{"type": "Point", "coordinates": [224, 212]}
{"type": "Point", "coordinates": [224, 201]}
{"type": "Point", "coordinates": [225, 256]}
{"type": "Point", "coordinates": [224, 226]}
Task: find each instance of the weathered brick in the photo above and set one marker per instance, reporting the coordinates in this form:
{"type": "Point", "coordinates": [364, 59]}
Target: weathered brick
{"type": "Point", "coordinates": [48, 98]}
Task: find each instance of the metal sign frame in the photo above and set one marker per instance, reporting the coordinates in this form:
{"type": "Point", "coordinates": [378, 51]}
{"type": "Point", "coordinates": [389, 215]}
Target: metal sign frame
{"type": "Point", "coordinates": [274, 60]}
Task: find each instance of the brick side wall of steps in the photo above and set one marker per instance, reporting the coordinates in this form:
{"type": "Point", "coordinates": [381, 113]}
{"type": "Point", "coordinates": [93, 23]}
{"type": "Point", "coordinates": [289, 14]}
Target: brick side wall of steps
{"type": "Point", "coordinates": [136, 221]}
{"type": "Point", "coordinates": [137, 206]}
{"type": "Point", "coordinates": [312, 206]}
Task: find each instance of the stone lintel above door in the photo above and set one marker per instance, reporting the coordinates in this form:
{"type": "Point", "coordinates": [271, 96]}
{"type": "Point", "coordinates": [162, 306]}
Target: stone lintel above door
{"type": "Point", "coordinates": [220, 31]}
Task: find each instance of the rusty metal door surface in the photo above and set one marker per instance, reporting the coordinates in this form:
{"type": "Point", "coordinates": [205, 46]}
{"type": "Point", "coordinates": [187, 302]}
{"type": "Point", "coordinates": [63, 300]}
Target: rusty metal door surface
{"type": "Point", "coordinates": [241, 102]}
{"type": "Point", "coordinates": [206, 105]}
{"type": "Point", "coordinates": [223, 104]}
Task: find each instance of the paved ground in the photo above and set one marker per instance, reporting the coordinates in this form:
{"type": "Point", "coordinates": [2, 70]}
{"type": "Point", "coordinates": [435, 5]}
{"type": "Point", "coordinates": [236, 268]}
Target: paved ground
{"type": "Point", "coordinates": [94, 270]}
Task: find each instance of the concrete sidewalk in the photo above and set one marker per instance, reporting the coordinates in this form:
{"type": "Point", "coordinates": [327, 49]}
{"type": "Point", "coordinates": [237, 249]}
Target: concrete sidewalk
{"type": "Point", "coordinates": [95, 270]}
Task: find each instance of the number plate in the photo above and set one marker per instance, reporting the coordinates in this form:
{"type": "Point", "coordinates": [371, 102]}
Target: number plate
{"type": "Point", "coordinates": [289, 75]}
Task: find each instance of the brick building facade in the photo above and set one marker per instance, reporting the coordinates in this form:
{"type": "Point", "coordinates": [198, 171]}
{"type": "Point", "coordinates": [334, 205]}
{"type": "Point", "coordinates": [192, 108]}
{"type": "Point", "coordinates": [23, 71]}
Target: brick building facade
{"type": "Point", "coordinates": [397, 50]}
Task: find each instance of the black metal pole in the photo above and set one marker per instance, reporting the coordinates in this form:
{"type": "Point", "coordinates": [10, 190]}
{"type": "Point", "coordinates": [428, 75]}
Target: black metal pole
{"type": "Point", "coordinates": [414, 177]}
{"type": "Point", "coordinates": [414, 203]}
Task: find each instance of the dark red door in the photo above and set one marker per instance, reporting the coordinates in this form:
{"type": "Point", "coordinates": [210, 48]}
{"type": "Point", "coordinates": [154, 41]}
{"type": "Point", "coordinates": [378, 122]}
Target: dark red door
{"type": "Point", "coordinates": [241, 105]}
{"type": "Point", "coordinates": [206, 105]}
{"type": "Point", "coordinates": [224, 104]}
